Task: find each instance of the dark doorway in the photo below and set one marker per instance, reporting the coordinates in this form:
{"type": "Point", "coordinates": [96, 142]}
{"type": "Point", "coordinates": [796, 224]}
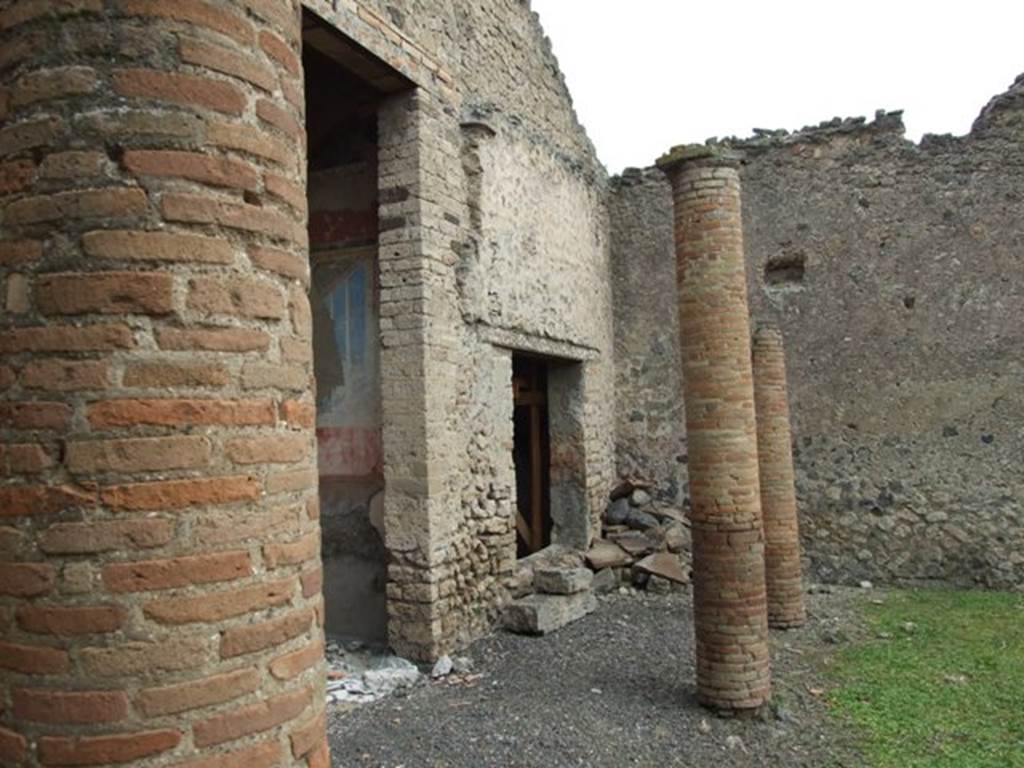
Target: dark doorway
{"type": "Point", "coordinates": [531, 453]}
{"type": "Point", "coordinates": [344, 88]}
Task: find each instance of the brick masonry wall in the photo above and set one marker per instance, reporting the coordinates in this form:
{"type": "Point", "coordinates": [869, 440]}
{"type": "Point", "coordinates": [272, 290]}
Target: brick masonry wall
{"type": "Point", "coordinates": [159, 534]}
{"type": "Point", "coordinates": [901, 338]}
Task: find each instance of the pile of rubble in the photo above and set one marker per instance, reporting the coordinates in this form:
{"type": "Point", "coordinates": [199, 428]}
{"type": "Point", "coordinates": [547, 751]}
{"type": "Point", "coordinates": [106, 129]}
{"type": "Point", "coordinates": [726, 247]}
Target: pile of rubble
{"type": "Point", "coordinates": [360, 674]}
{"type": "Point", "coordinates": [642, 544]}
{"type": "Point", "coordinates": [562, 594]}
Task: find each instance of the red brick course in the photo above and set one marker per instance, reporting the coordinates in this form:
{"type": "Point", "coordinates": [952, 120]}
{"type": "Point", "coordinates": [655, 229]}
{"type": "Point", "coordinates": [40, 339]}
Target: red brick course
{"type": "Point", "coordinates": [50, 84]}
{"type": "Point", "coordinates": [148, 575]}
{"type": "Point", "coordinates": [237, 298]}
{"type": "Point", "coordinates": [227, 61]}
{"type": "Point", "coordinates": [194, 166]}
{"type": "Point", "coordinates": [101, 750]}
{"type": "Point", "coordinates": [178, 494]}
{"type": "Point", "coordinates": [161, 374]}
{"type": "Point", "coordinates": [156, 246]}
{"type": "Point", "coordinates": [83, 707]}
{"type": "Point", "coordinates": [27, 579]}
{"type": "Point", "coordinates": [34, 659]}
{"type": "Point", "coordinates": [196, 14]}
{"type": "Point", "coordinates": [213, 339]}
{"type": "Point", "coordinates": [80, 204]}
{"type": "Point", "coordinates": [65, 375]}
{"type": "Point", "coordinates": [66, 620]}
{"type": "Point", "coordinates": [172, 699]}
{"type": "Point", "coordinates": [190, 90]}
{"type": "Point", "coordinates": [251, 638]}
{"type": "Point", "coordinates": [254, 718]}
{"type": "Point", "coordinates": [220, 605]}
{"type": "Point", "coordinates": [264, 755]}
{"type": "Point", "coordinates": [173, 412]}
{"type": "Point", "coordinates": [109, 293]}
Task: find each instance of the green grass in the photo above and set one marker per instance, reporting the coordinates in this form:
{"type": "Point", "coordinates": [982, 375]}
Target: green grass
{"type": "Point", "coordinates": [946, 692]}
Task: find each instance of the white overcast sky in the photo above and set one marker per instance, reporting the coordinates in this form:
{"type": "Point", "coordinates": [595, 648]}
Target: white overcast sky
{"type": "Point", "coordinates": [648, 74]}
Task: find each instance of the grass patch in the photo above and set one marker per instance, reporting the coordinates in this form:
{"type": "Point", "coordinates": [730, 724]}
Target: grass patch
{"type": "Point", "coordinates": [943, 683]}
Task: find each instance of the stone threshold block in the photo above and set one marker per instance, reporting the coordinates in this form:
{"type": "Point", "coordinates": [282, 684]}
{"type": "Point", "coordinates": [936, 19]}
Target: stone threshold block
{"type": "Point", "coordinates": [541, 614]}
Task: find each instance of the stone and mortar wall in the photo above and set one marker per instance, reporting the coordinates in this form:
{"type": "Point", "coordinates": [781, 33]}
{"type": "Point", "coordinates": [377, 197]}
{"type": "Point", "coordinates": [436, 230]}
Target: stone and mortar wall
{"type": "Point", "coordinates": [530, 242]}
{"type": "Point", "coordinates": [492, 238]}
{"type": "Point", "coordinates": [903, 338]}
{"type": "Point", "coordinates": [650, 442]}
{"type": "Point", "coordinates": [535, 243]}
{"type": "Point", "coordinates": [159, 531]}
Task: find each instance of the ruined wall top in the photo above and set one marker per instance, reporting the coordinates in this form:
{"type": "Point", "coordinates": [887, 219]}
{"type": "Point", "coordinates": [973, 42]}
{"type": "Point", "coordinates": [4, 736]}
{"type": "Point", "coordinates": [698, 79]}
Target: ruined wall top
{"type": "Point", "coordinates": [503, 67]}
{"type": "Point", "coordinates": [1002, 119]}
{"type": "Point", "coordinates": [1004, 114]}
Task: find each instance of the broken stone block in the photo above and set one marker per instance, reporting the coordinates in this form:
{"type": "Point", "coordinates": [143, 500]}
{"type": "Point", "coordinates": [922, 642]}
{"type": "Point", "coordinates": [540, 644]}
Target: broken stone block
{"type": "Point", "coordinates": [442, 668]}
{"type": "Point", "coordinates": [554, 556]}
{"type": "Point", "coordinates": [626, 487]}
{"type": "Point", "coordinates": [640, 521]}
{"type": "Point", "coordinates": [663, 564]}
{"type": "Point", "coordinates": [562, 581]}
{"type": "Point", "coordinates": [636, 543]}
{"type": "Point", "coordinates": [617, 512]}
{"type": "Point", "coordinates": [392, 673]}
{"type": "Point", "coordinates": [606, 554]}
{"type": "Point", "coordinates": [520, 583]}
{"type": "Point", "coordinates": [667, 513]}
{"type": "Point", "coordinates": [639, 498]}
{"type": "Point", "coordinates": [676, 537]}
{"type": "Point", "coordinates": [605, 581]}
{"type": "Point", "coordinates": [659, 586]}
{"type": "Point", "coordinates": [541, 614]}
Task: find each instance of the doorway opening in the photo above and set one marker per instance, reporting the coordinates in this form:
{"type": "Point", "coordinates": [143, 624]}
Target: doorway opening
{"type": "Point", "coordinates": [344, 88]}
{"type": "Point", "coordinates": [531, 453]}
{"type": "Point", "coordinates": [548, 453]}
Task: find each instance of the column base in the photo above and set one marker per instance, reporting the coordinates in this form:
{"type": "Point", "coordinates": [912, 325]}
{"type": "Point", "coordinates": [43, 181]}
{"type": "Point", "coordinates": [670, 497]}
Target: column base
{"type": "Point", "coordinates": [739, 711]}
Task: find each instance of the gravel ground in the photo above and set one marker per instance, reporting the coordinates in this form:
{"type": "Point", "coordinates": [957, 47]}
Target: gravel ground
{"type": "Point", "coordinates": [614, 689]}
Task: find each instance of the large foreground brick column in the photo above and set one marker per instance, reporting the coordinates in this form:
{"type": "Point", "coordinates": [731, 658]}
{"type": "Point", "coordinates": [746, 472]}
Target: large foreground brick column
{"type": "Point", "coordinates": [778, 490]}
{"type": "Point", "coordinates": [730, 617]}
{"type": "Point", "coordinates": [159, 535]}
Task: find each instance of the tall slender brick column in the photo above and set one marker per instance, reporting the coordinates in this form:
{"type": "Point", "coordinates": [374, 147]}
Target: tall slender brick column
{"type": "Point", "coordinates": [730, 613]}
{"type": "Point", "coordinates": [778, 490]}
{"type": "Point", "coordinates": [159, 534]}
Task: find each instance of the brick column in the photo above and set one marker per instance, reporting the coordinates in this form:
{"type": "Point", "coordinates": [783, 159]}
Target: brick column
{"type": "Point", "coordinates": [778, 491]}
{"type": "Point", "coordinates": [159, 533]}
{"type": "Point", "coordinates": [730, 618]}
